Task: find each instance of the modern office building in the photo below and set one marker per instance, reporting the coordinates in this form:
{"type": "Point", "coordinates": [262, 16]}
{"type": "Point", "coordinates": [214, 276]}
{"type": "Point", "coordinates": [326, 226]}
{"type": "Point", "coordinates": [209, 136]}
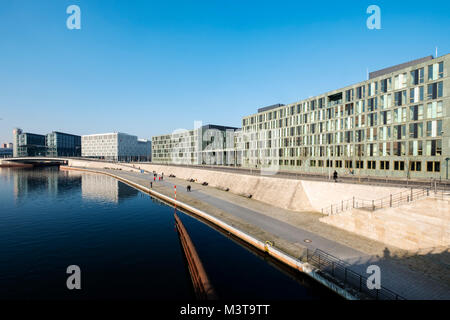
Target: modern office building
{"type": "Point", "coordinates": [116, 147]}
{"type": "Point", "coordinates": [6, 152]}
{"type": "Point", "coordinates": [63, 145]}
{"type": "Point", "coordinates": [55, 144]}
{"type": "Point", "coordinates": [394, 124]}
{"type": "Point", "coordinates": [209, 145]}
{"type": "Point", "coordinates": [29, 144]}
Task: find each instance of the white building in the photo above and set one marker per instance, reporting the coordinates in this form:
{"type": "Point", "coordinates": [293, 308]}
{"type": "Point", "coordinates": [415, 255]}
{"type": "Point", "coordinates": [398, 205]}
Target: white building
{"type": "Point", "coordinates": [115, 146]}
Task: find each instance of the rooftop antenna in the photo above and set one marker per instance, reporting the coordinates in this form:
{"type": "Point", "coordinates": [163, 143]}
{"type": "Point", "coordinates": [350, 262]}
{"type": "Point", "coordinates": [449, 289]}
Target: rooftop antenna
{"type": "Point", "coordinates": [436, 53]}
{"type": "Point", "coordinates": [367, 73]}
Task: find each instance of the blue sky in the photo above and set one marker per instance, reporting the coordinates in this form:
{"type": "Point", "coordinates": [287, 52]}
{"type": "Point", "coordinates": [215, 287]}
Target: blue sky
{"type": "Point", "coordinates": [149, 67]}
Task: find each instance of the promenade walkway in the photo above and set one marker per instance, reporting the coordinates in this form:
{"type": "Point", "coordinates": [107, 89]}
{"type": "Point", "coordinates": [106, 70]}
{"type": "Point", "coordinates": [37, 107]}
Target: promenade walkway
{"type": "Point", "coordinates": [406, 279]}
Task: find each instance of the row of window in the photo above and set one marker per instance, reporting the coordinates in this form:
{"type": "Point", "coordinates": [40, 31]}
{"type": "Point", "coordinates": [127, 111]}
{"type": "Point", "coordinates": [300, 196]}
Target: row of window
{"type": "Point", "coordinates": [416, 166]}
{"type": "Point", "coordinates": [435, 71]}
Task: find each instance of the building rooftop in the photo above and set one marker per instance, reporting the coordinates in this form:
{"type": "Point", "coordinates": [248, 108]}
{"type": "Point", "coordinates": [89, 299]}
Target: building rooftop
{"type": "Point", "coordinates": [387, 70]}
{"type": "Point", "coordinates": [273, 106]}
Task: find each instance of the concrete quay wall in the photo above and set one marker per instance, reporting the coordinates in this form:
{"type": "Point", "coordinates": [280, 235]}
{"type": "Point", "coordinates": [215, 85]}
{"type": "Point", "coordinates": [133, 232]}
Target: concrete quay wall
{"type": "Point", "coordinates": [290, 194]}
{"type": "Point", "coordinates": [422, 224]}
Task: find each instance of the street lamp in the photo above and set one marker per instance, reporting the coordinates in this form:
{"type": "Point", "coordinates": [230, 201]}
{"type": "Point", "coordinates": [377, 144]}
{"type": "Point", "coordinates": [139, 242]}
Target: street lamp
{"type": "Point", "coordinates": [446, 173]}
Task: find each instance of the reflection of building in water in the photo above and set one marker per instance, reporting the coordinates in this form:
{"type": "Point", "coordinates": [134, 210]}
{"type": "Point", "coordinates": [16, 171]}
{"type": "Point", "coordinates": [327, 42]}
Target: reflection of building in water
{"type": "Point", "coordinates": [50, 180]}
{"type": "Point", "coordinates": [101, 187]}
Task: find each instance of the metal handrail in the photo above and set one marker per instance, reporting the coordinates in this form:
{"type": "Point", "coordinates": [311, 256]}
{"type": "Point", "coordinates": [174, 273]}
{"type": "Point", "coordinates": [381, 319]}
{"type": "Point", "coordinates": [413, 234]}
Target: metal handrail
{"type": "Point", "coordinates": [393, 200]}
{"type": "Point", "coordinates": [339, 270]}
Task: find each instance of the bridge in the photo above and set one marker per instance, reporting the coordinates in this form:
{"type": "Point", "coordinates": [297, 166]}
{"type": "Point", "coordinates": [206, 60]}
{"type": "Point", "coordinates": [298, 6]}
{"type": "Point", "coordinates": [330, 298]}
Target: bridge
{"type": "Point", "coordinates": [33, 161]}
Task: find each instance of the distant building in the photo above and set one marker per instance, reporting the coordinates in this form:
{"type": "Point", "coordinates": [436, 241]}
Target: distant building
{"type": "Point", "coordinates": [55, 144]}
{"type": "Point", "coordinates": [63, 145]}
{"type": "Point", "coordinates": [209, 144]}
{"type": "Point", "coordinates": [31, 144]}
{"type": "Point", "coordinates": [116, 147]}
{"type": "Point", "coordinates": [6, 152]}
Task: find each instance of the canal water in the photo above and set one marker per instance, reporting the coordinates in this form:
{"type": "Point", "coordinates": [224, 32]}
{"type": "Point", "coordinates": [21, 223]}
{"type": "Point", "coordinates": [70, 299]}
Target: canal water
{"type": "Point", "coordinates": [124, 242]}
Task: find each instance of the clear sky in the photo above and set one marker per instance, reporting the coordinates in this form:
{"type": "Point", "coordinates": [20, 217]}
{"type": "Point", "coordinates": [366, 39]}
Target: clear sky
{"type": "Point", "coordinates": [149, 67]}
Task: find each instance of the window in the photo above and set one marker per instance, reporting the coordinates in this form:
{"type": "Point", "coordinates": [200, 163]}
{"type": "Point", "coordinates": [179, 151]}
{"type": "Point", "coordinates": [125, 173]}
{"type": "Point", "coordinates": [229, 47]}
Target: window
{"type": "Point", "coordinates": [415, 148]}
{"type": "Point", "coordinates": [416, 130]}
{"type": "Point", "coordinates": [433, 166]}
{"type": "Point", "coordinates": [399, 165]}
{"type": "Point", "coordinates": [415, 166]}
{"type": "Point", "coordinates": [399, 148]}
{"type": "Point", "coordinates": [385, 85]}
{"type": "Point", "coordinates": [360, 92]}
{"type": "Point", "coordinates": [417, 76]}
{"type": "Point", "coordinates": [371, 165]}
{"type": "Point", "coordinates": [338, 163]}
{"type": "Point", "coordinates": [372, 104]}
{"type": "Point", "coordinates": [433, 147]}
{"type": "Point", "coordinates": [359, 164]}
{"type": "Point", "coordinates": [400, 98]}
{"type": "Point", "coordinates": [348, 164]}
{"type": "Point", "coordinates": [349, 95]}
{"type": "Point", "coordinates": [416, 113]}
{"type": "Point", "coordinates": [384, 165]}
{"type": "Point", "coordinates": [441, 70]}
{"type": "Point", "coordinates": [430, 73]}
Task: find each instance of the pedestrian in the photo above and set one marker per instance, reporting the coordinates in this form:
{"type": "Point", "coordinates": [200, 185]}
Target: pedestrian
{"type": "Point", "coordinates": [151, 184]}
{"type": "Point", "coordinates": [335, 175]}
{"type": "Point", "coordinates": [189, 188]}
{"type": "Point", "coordinates": [154, 178]}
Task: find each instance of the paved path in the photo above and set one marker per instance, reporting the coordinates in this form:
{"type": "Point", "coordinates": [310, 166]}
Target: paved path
{"type": "Point", "coordinates": [394, 276]}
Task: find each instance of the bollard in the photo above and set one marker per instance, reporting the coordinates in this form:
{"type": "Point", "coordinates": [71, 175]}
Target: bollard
{"type": "Point", "coordinates": [411, 194]}
{"type": "Point", "coordinates": [373, 205]}
{"type": "Point", "coordinates": [390, 200]}
{"type": "Point", "coordinates": [353, 202]}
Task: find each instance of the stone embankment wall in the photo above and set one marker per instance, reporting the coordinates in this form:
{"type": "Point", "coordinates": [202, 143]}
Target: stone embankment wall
{"type": "Point", "coordinates": [419, 225]}
{"type": "Point", "coordinates": [291, 194]}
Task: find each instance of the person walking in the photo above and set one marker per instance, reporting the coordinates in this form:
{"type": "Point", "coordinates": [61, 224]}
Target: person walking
{"type": "Point", "coordinates": [154, 178]}
{"type": "Point", "coordinates": [151, 184]}
{"type": "Point", "coordinates": [189, 188]}
{"type": "Point", "coordinates": [335, 175]}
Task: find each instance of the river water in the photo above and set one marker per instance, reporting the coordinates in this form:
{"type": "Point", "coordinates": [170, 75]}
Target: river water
{"type": "Point", "coordinates": [124, 242]}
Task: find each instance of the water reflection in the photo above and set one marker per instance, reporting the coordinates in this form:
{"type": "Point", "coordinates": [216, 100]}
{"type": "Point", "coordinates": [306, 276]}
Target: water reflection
{"type": "Point", "coordinates": [28, 182]}
{"type": "Point", "coordinates": [101, 187]}
{"type": "Point", "coordinates": [53, 182]}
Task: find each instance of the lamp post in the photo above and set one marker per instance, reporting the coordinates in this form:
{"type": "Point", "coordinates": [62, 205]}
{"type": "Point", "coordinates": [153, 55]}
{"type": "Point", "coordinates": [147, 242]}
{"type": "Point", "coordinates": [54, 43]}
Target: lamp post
{"type": "Point", "coordinates": [446, 173]}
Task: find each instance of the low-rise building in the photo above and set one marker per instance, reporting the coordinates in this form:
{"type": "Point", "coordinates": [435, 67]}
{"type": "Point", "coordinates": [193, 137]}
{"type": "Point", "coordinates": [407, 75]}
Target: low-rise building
{"type": "Point", "coordinates": [115, 146]}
